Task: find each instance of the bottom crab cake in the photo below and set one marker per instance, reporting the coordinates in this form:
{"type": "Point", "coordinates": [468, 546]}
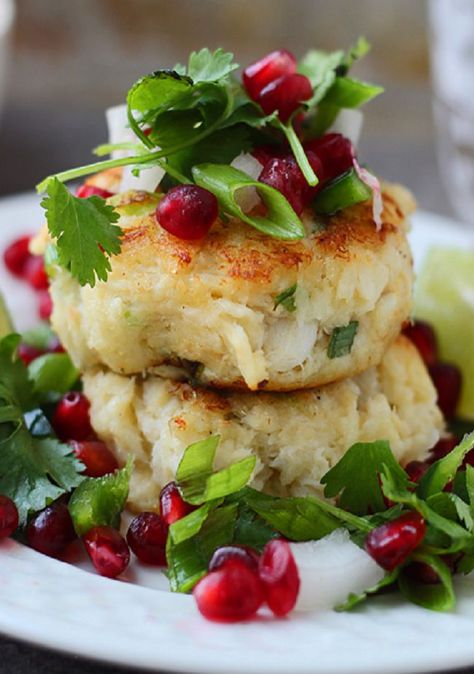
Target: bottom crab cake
{"type": "Point", "coordinates": [295, 436]}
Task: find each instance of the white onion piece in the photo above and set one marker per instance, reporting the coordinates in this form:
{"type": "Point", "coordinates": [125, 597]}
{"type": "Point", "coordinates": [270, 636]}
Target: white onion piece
{"type": "Point", "coordinates": [247, 164]}
{"type": "Point", "coordinates": [119, 131]}
{"type": "Point", "coordinates": [371, 181]}
{"type": "Point", "coordinates": [349, 123]}
{"type": "Point", "coordinates": [247, 198]}
{"type": "Point", "coordinates": [330, 569]}
{"type": "Point", "coordinates": [147, 181]}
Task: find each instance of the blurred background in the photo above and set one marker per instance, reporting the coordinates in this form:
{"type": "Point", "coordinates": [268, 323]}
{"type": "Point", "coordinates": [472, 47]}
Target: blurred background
{"type": "Point", "coordinates": [70, 60]}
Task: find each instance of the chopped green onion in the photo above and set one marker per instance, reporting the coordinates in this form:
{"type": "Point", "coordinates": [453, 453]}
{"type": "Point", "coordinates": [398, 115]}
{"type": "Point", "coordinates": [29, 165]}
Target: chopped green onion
{"type": "Point", "coordinates": [346, 190]}
{"type": "Point", "coordinates": [287, 299]}
{"type": "Point", "coordinates": [342, 339]}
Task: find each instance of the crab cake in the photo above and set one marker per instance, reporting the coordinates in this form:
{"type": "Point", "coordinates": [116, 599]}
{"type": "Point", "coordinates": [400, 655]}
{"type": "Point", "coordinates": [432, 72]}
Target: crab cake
{"type": "Point", "coordinates": [239, 309]}
{"type": "Point", "coordinates": [295, 436]}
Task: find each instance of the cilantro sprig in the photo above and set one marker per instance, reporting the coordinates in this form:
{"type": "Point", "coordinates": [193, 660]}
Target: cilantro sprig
{"type": "Point", "coordinates": [193, 116]}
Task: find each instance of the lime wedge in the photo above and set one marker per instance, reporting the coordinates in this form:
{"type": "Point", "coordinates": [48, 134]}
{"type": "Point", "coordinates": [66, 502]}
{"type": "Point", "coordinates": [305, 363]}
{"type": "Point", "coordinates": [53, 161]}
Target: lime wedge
{"type": "Point", "coordinates": [6, 323]}
{"type": "Point", "coordinates": [444, 296]}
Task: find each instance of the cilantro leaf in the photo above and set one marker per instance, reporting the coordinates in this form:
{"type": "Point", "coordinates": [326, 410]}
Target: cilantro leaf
{"type": "Point", "coordinates": [84, 232]}
{"type": "Point", "coordinates": [53, 372]}
{"type": "Point", "coordinates": [34, 472]}
{"type": "Point", "coordinates": [342, 338]}
{"type": "Point", "coordinates": [224, 182]}
{"type": "Point", "coordinates": [348, 92]}
{"type": "Point", "coordinates": [100, 501]}
{"type": "Point", "coordinates": [207, 66]}
{"type": "Point", "coordinates": [287, 299]}
{"type": "Point", "coordinates": [443, 471]}
{"type": "Point", "coordinates": [355, 478]}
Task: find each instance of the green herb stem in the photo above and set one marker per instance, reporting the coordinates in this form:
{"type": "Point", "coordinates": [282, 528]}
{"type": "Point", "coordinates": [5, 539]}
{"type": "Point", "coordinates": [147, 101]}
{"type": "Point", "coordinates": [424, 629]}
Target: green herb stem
{"type": "Point", "coordinates": [298, 151]}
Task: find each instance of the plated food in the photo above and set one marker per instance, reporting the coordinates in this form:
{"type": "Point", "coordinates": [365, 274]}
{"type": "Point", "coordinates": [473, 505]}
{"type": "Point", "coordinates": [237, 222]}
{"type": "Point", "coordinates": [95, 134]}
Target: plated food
{"type": "Point", "coordinates": [230, 288]}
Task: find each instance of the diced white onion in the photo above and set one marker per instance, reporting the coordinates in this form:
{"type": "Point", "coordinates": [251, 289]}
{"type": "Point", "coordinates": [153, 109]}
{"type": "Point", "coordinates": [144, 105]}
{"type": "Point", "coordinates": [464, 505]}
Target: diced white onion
{"type": "Point", "coordinates": [147, 181]}
{"type": "Point", "coordinates": [349, 123]}
{"type": "Point", "coordinates": [332, 568]}
{"type": "Point", "coordinates": [247, 198]}
{"type": "Point", "coordinates": [119, 131]}
{"type": "Point", "coordinates": [373, 182]}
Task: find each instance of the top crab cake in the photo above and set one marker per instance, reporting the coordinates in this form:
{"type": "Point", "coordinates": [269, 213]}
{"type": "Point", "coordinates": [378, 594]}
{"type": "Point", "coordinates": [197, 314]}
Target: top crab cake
{"type": "Point", "coordinates": [240, 309]}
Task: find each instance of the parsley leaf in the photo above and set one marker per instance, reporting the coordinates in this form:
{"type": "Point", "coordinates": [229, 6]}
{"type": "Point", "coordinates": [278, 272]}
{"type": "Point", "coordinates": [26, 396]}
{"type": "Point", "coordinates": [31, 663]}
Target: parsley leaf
{"type": "Point", "coordinates": [342, 338]}
{"type": "Point", "coordinates": [438, 596]}
{"type": "Point", "coordinates": [100, 501]}
{"type": "Point", "coordinates": [355, 477]}
{"type": "Point", "coordinates": [34, 470]}
{"type": "Point", "coordinates": [287, 299]}
{"type": "Point", "coordinates": [84, 232]}
{"type": "Point", "coordinates": [443, 471]}
{"type": "Point", "coordinates": [207, 66]}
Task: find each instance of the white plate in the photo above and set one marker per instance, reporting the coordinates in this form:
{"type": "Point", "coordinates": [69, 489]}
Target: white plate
{"type": "Point", "coordinates": [138, 623]}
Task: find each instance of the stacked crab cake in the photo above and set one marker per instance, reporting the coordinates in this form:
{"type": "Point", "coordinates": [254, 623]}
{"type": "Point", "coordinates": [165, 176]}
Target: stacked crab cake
{"type": "Point", "coordinates": [287, 350]}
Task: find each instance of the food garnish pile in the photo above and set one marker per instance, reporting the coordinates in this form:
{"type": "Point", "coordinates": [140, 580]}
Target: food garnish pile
{"type": "Point", "coordinates": [249, 190]}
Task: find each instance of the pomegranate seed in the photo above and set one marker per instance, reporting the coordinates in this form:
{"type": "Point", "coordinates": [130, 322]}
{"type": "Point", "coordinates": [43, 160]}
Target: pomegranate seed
{"type": "Point", "coordinates": [391, 543]}
{"type": "Point", "coordinates": [335, 151]}
{"type": "Point", "coordinates": [187, 211]}
{"type": "Point", "coordinates": [444, 446]}
{"type": "Point", "coordinates": [35, 273]}
{"type": "Point", "coordinates": [28, 353]}
{"type": "Point", "coordinates": [71, 417]}
{"type": "Point", "coordinates": [279, 575]}
{"type": "Point", "coordinates": [16, 255]}
{"type": "Point", "coordinates": [8, 517]}
{"type": "Point", "coordinates": [96, 457]}
{"type": "Point", "coordinates": [232, 553]}
{"type": "Point", "coordinates": [285, 175]}
{"type": "Point", "coordinates": [264, 153]}
{"type": "Point", "coordinates": [416, 470]}
{"type": "Point", "coordinates": [422, 573]}
{"type": "Point", "coordinates": [267, 69]}
{"type": "Point", "coordinates": [172, 505]}
{"type": "Point", "coordinates": [85, 191]}
{"type": "Point", "coordinates": [108, 551]}
{"type": "Point", "coordinates": [45, 305]}
{"type": "Point", "coordinates": [423, 337]}
{"type": "Point", "coordinates": [285, 95]}
{"type": "Point", "coordinates": [147, 535]}
{"type": "Point", "coordinates": [51, 530]}
{"type": "Point", "coordinates": [448, 381]}
{"type": "Point", "coordinates": [232, 593]}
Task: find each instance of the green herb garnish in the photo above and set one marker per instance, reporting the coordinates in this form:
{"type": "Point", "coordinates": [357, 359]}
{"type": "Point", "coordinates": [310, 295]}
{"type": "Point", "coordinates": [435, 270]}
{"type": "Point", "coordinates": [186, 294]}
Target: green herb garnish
{"type": "Point", "coordinates": [287, 299]}
{"type": "Point", "coordinates": [346, 190]}
{"type": "Point", "coordinates": [341, 340]}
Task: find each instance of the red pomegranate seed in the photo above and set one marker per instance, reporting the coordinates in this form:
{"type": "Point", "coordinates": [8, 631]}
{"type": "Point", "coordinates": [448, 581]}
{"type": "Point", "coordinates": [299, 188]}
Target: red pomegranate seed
{"type": "Point", "coordinates": [391, 543]}
{"type": "Point", "coordinates": [279, 576]}
{"type": "Point", "coordinates": [416, 470]}
{"type": "Point", "coordinates": [35, 273]}
{"type": "Point", "coordinates": [265, 153]}
{"type": "Point", "coordinates": [335, 151]}
{"type": "Point", "coordinates": [96, 457]}
{"type": "Point", "coordinates": [285, 95]}
{"type": "Point", "coordinates": [172, 505]}
{"type": "Point", "coordinates": [147, 535]}
{"type": "Point", "coordinates": [51, 530]}
{"type": "Point", "coordinates": [232, 553]}
{"type": "Point", "coordinates": [267, 69]}
{"type": "Point", "coordinates": [187, 211]}
{"type": "Point", "coordinates": [71, 417]}
{"type": "Point", "coordinates": [45, 305]}
{"type": "Point", "coordinates": [29, 353]}
{"type": "Point", "coordinates": [447, 379]}
{"type": "Point", "coordinates": [285, 175]}
{"type": "Point", "coordinates": [16, 255]}
{"type": "Point", "coordinates": [443, 447]}
{"type": "Point", "coordinates": [85, 191]}
{"type": "Point", "coordinates": [8, 517]}
{"type": "Point", "coordinates": [422, 573]}
{"type": "Point", "coordinates": [423, 337]}
{"type": "Point", "coordinates": [230, 594]}
{"type": "Point", "coordinates": [108, 551]}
